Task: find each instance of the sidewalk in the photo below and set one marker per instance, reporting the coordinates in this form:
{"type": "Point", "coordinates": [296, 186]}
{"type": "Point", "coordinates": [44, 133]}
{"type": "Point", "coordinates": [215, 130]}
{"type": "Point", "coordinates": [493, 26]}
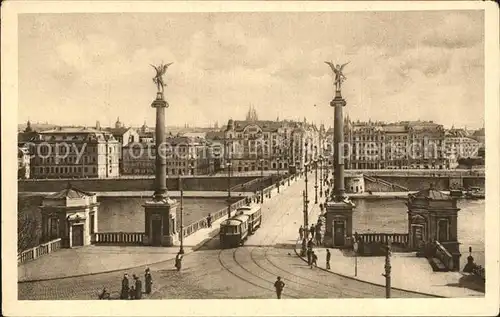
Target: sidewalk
{"type": "Point", "coordinates": [408, 273]}
{"type": "Point", "coordinates": [93, 259]}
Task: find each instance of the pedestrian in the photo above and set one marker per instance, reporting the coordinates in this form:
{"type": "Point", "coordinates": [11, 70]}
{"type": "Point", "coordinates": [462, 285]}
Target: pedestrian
{"type": "Point", "coordinates": [279, 285]}
{"type": "Point", "coordinates": [309, 256]}
{"type": "Point", "coordinates": [131, 292]}
{"type": "Point", "coordinates": [209, 221]}
{"type": "Point", "coordinates": [138, 287]}
{"type": "Point", "coordinates": [148, 281]}
{"type": "Point", "coordinates": [312, 231]}
{"type": "Point", "coordinates": [301, 232]}
{"type": "Point", "coordinates": [178, 261]}
{"type": "Point", "coordinates": [328, 256]}
{"type": "Point", "coordinates": [314, 260]}
{"type": "Point", "coordinates": [321, 207]}
{"type": "Point", "coordinates": [318, 238]}
{"type": "Point", "coordinates": [125, 287]}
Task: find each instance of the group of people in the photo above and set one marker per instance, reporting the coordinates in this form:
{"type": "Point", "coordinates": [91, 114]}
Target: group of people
{"type": "Point", "coordinates": [134, 291]}
{"type": "Point", "coordinates": [314, 232]}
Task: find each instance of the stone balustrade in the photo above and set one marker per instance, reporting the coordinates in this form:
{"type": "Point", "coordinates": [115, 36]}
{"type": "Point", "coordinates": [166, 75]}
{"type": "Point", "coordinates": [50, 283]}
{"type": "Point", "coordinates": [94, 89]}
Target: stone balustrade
{"type": "Point", "coordinates": [118, 237]}
{"type": "Point", "coordinates": [397, 238]}
{"type": "Point", "coordinates": [38, 251]}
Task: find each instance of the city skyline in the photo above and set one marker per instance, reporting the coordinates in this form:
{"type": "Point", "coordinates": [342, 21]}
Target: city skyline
{"type": "Point", "coordinates": [225, 62]}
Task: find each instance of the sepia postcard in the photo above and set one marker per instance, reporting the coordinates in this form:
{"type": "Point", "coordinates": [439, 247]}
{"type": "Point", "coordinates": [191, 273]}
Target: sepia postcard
{"type": "Point", "coordinates": [250, 158]}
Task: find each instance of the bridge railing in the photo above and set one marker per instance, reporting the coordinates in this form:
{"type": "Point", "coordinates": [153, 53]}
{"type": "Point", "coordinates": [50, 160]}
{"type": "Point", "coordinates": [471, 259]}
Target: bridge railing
{"type": "Point", "coordinates": [118, 237]}
{"type": "Point", "coordinates": [202, 223]}
{"type": "Point", "coordinates": [38, 251]}
{"type": "Point", "coordinates": [397, 238]}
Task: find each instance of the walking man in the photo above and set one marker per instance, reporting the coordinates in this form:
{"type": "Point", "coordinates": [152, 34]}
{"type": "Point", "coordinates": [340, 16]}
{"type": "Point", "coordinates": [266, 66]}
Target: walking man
{"type": "Point", "coordinates": [301, 232]}
{"type": "Point", "coordinates": [314, 260]}
{"type": "Point", "coordinates": [328, 256]}
{"type": "Point", "coordinates": [148, 281]}
{"type": "Point", "coordinates": [125, 287]}
{"type": "Point", "coordinates": [279, 285]}
{"type": "Point", "coordinates": [309, 256]}
{"type": "Point", "coordinates": [209, 221]}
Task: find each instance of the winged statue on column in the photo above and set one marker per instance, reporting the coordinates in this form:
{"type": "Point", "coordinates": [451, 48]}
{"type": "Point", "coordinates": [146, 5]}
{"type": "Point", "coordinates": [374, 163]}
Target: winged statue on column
{"type": "Point", "coordinates": [339, 76]}
{"type": "Point", "coordinates": [160, 72]}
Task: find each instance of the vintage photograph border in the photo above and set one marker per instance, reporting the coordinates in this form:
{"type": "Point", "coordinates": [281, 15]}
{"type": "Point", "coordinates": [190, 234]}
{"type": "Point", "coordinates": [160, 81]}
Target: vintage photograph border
{"type": "Point", "coordinates": [304, 307]}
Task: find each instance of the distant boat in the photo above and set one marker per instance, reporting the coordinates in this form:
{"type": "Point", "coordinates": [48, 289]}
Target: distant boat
{"type": "Point", "coordinates": [456, 193]}
{"type": "Point", "coordinates": [475, 193]}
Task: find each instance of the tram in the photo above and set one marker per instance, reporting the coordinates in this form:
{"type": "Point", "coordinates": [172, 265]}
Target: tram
{"type": "Point", "coordinates": [235, 231]}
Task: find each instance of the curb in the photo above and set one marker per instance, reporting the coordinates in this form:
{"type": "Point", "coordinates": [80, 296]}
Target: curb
{"type": "Point", "coordinates": [211, 235]}
{"type": "Point", "coordinates": [192, 249]}
{"type": "Point", "coordinates": [371, 283]}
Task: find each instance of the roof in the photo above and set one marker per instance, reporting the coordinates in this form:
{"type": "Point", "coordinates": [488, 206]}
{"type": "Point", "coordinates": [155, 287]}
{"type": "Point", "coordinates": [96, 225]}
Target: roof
{"type": "Point", "coordinates": [431, 193]}
{"type": "Point", "coordinates": [70, 192]}
{"type": "Point", "coordinates": [395, 128]}
{"type": "Point", "coordinates": [117, 131]}
{"type": "Point", "coordinates": [215, 135]}
{"type": "Point", "coordinates": [479, 132]}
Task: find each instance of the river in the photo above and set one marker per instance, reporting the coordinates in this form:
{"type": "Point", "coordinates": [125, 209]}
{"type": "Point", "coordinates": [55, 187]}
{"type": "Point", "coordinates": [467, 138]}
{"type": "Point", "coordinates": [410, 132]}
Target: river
{"type": "Point", "coordinates": [390, 215]}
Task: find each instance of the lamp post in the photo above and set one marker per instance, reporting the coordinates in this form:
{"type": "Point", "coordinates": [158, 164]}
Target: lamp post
{"type": "Point", "coordinates": [181, 233]}
{"type": "Point", "coordinates": [387, 268]}
{"type": "Point", "coordinates": [355, 248]}
{"type": "Point", "coordinates": [278, 160]}
{"type": "Point", "coordinates": [315, 181]}
{"type": "Point", "coordinates": [229, 164]}
{"type": "Point", "coordinates": [321, 176]}
{"type": "Point", "coordinates": [261, 181]}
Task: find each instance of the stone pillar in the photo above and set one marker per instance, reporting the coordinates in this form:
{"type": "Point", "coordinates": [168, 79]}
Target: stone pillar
{"type": "Point", "coordinates": [160, 160]}
{"type": "Point", "coordinates": [338, 149]}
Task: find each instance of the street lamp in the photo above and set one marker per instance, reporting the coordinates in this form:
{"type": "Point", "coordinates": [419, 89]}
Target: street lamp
{"type": "Point", "coordinates": [261, 181]}
{"type": "Point", "coordinates": [181, 233]}
{"type": "Point", "coordinates": [229, 164]}
{"type": "Point", "coordinates": [321, 176]}
{"type": "Point", "coordinates": [278, 160]}
{"type": "Point", "coordinates": [387, 268]}
{"type": "Point", "coordinates": [355, 247]}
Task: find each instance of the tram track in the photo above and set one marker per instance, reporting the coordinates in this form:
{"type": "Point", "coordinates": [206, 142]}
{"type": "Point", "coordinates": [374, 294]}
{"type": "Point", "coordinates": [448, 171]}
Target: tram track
{"type": "Point", "coordinates": [241, 277]}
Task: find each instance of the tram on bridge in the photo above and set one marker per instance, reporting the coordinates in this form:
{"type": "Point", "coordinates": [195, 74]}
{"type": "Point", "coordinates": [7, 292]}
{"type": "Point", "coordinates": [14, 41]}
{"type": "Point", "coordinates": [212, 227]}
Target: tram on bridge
{"type": "Point", "coordinates": [234, 231]}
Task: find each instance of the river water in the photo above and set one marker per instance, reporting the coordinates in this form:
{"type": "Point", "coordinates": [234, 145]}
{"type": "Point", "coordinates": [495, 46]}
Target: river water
{"type": "Point", "coordinates": [390, 216]}
{"type": "Point", "coordinates": [380, 215]}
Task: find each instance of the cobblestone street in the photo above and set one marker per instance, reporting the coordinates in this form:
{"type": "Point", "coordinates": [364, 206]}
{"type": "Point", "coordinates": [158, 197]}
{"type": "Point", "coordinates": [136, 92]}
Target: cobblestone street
{"type": "Point", "coordinates": [245, 272]}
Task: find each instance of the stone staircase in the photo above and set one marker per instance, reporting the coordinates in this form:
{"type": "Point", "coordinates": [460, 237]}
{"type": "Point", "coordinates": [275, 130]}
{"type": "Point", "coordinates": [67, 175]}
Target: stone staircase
{"type": "Point", "coordinates": [385, 185]}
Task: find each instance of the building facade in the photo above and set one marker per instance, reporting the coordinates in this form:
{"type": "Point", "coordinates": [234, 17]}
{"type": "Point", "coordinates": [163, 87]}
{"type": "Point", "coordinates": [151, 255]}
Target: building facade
{"type": "Point", "coordinates": [184, 156]}
{"type": "Point", "coordinates": [459, 145]}
{"type": "Point", "coordinates": [74, 153]}
{"type": "Point", "coordinates": [23, 163]}
{"type": "Point", "coordinates": [252, 145]}
{"type": "Point", "coordinates": [401, 145]}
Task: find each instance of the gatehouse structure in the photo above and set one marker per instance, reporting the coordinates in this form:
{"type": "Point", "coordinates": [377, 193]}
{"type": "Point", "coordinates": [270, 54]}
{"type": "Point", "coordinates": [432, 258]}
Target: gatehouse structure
{"type": "Point", "coordinates": [71, 215]}
{"type": "Point", "coordinates": [432, 221]}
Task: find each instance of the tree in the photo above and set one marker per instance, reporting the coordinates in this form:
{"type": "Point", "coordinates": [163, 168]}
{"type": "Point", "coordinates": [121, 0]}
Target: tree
{"type": "Point", "coordinates": [28, 223]}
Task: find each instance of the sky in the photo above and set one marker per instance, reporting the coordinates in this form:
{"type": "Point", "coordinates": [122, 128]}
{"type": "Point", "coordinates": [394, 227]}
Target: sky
{"type": "Point", "coordinates": [420, 65]}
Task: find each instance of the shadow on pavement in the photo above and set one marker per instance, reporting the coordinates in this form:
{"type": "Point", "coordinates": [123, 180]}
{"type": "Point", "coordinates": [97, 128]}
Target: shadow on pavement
{"type": "Point", "coordinates": [471, 282]}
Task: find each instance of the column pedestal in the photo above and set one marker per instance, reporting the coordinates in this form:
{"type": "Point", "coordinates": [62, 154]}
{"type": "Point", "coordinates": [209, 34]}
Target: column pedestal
{"type": "Point", "coordinates": [160, 223]}
{"type": "Point", "coordinates": [338, 226]}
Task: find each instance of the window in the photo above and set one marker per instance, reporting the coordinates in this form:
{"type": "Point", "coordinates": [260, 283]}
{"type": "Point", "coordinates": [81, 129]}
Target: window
{"type": "Point", "coordinates": [443, 230]}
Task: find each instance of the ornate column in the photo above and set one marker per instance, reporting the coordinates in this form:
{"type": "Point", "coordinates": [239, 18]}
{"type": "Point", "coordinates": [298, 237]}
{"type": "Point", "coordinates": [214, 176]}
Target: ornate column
{"type": "Point", "coordinates": [160, 211]}
{"type": "Point", "coordinates": [338, 207]}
